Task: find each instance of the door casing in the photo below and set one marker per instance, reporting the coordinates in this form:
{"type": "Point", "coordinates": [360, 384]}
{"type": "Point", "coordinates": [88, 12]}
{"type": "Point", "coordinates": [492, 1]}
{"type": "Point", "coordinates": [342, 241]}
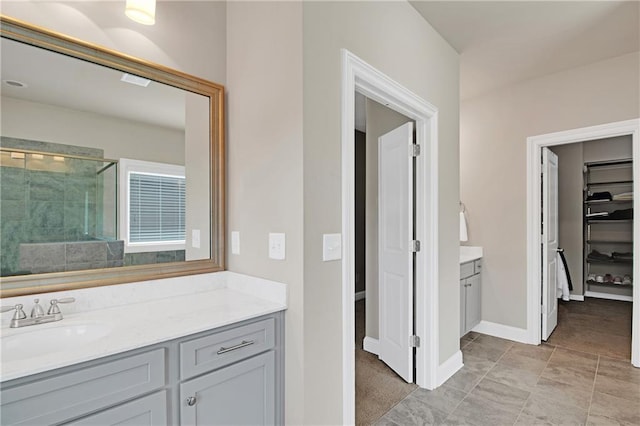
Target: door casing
{"type": "Point", "coordinates": [534, 240]}
{"type": "Point", "coordinates": [359, 76]}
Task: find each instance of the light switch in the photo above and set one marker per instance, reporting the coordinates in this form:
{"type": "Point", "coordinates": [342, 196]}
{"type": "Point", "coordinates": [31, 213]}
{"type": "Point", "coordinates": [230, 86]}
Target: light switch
{"type": "Point", "coordinates": [331, 247]}
{"type": "Point", "coordinates": [195, 238]}
{"type": "Point", "coordinates": [276, 246]}
{"type": "Point", "coordinates": [235, 242]}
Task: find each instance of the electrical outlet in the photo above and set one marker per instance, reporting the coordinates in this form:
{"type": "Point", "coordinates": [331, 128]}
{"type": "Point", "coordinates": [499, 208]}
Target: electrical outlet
{"type": "Point", "coordinates": [235, 242]}
{"type": "Point", "coordinates": [331, 247]}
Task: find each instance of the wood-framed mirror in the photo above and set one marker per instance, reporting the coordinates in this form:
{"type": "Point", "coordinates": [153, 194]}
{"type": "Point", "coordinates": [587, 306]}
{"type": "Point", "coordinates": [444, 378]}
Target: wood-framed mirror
{"type": "Point", "coordinates": [111, 167]}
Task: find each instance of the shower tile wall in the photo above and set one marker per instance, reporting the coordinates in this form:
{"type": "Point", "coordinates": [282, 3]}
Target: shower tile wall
{"type": "Point", "coordinates": [40, 206]}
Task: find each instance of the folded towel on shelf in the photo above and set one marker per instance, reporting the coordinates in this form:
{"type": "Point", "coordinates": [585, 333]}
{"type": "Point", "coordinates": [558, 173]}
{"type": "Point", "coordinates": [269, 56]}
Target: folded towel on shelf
{"type": "Point", "coordinates": [625, 196]}
{"type": "Point", "coordinates": [621, 214]}
{"type": "Point", "coordinates": [622, 256]}
{"type": "Point", "coordinates": [605, 195]}
{"type": "Point", "coordinates": [596, 255]}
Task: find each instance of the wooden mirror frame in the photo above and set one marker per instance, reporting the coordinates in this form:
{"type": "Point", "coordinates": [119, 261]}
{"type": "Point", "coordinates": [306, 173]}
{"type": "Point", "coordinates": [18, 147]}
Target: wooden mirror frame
{"type": "Point", "coordinates": [14, 29]}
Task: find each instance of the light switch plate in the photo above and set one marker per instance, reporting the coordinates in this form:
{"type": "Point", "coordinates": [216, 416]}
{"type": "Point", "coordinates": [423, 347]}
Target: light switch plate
{"type": "Point", "coordinates": [195, 238]}
{"type": "Point", "coordinates": [331, 247]}
{"type": "Point", "coordinates": [235, 242]}
{"type": "Point", "coordinates": [277, 246]}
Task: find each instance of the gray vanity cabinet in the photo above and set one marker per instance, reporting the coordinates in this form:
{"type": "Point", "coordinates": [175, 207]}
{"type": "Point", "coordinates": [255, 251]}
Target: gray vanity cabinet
{"type": "Point", "coordinates": [230, 375]}
{"type": "Point", "coordinates": [470, 296]}
{"type": "Point", "coordinates": [241, 394]}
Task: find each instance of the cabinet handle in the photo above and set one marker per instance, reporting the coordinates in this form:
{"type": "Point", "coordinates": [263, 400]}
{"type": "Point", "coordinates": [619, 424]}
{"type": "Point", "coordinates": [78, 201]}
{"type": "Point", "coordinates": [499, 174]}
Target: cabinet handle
{"type": "Point", "coordinates": [191, 401]}
{"type": "Point", "coordinates": [233, 348]}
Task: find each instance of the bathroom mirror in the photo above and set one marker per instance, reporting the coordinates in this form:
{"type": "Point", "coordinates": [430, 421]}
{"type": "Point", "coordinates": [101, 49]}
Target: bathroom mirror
{"type": "Point", "coordinates": [111, 168]}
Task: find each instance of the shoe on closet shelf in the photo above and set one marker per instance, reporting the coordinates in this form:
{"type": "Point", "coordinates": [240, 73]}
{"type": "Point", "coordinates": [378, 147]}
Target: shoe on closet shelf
{"type": "Point", "coordinates": [599, 279]}
{"type": "Point", "coordinates": [591, 277]}
{"type": "Point", "coordinates": [617, 280]}
{"type": "Point", "coordinates": [626, 280]}
{"type": "Point", "coordinates": [608, 278]}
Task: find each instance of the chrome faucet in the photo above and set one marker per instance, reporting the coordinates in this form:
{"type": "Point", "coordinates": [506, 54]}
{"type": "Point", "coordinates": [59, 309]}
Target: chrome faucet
{"type": "Point", "coordinates": [37, 314]}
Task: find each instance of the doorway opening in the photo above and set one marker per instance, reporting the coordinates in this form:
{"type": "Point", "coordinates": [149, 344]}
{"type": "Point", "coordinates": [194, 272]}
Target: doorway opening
{"type": "Point", "coordinates": [600, 235]}
{"type": "Point", "coordinates": [384, 228]}
{"type": "Point", "coordinates": [358, 76]}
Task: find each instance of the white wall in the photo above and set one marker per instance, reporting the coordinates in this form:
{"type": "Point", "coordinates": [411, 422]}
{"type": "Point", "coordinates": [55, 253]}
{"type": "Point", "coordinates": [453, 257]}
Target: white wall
{"type": "Point", "coordinates": [264, 68]}
{"type": "Point", "coordinates": [380, 120]}
{"type": "Point", "coordinates": [395, 39]}
{"type": "Point", "coordinates": [493, 132]}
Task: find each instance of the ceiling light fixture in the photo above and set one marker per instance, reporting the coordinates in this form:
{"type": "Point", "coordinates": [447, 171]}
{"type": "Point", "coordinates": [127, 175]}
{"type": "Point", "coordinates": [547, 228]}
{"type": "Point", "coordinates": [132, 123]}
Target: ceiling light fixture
{"type": "Point", "coordinates": [141, 11]}
{"type": "Point", "coordinates": [134, 79]}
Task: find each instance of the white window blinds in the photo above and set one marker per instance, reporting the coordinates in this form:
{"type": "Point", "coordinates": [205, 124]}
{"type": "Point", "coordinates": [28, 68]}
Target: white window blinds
{"type": "Point", "coordinates": [156, 208]}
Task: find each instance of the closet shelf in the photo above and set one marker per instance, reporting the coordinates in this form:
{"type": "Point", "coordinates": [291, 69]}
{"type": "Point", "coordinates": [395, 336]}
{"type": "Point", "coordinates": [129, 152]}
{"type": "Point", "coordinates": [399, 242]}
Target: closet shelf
{"type": "Point", "coordinates": [613, 182]}
{"type": "Point", "coordinates": [608, 284]}
{"type": "Point", "coordinates": [608, 242]}
{"type": "Point", "coordinates": [611, 261]}
{"type": "Point", "coordinates": [595, 202]}
{"type": "Point", "coordinates": [593, 221]}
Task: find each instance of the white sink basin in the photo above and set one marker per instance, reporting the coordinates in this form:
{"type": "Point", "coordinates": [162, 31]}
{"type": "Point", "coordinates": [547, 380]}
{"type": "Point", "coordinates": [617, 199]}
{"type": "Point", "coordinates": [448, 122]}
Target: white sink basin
{"type": "Point", "coordinates": [38, 342]}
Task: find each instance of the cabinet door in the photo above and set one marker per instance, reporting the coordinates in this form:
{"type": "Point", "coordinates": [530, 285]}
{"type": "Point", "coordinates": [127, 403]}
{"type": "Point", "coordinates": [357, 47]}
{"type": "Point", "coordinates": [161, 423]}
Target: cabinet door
{"type": "Point", "coordinates": [241, 394]}
{"type": "Point", "coordinates": [463, 307]}
{"type": "Point", "coordinates": [473, 302]}
{"type": "Point", "coordinates": [147, 411]}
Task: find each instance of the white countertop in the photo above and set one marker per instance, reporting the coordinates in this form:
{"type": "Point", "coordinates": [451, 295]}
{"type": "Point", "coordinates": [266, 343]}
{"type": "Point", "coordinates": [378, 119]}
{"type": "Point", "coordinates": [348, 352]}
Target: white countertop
{"type": "Point", "coordinates": [231, 298]}
{"type": "Point", "coordinates": [470, 253]}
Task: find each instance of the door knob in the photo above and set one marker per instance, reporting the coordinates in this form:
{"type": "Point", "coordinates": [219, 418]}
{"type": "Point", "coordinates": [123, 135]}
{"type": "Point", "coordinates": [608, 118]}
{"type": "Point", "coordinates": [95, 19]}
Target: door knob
{"type": "Point", "coordinates": [191, 401]}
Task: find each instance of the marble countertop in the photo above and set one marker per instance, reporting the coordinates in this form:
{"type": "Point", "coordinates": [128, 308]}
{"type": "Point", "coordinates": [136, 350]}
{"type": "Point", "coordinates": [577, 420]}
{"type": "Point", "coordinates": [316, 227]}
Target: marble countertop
{"type": "Point", "coordinates": [230, 299]}
{"type": "Point", "coordinates": [470, 253]}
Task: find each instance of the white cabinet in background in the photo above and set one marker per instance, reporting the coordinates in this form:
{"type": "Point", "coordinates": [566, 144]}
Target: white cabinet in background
{"type": "Point", "coordinates": [470, 296]}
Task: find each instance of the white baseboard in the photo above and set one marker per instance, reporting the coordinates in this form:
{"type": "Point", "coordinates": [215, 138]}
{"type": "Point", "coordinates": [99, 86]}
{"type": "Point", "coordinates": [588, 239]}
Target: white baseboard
{"type": "Point", "coordinates": [449, 368]}
{"type": "Point", "coordinates": [502, 331]}
{"type": "Point", "coordinates": [361, 295]}
{"type": "Point", "coordinates": [577, 297]}
{"type": "Point", "coordinates": [609, 296]}
{"type": "Point", "coordinates": [370, 345]}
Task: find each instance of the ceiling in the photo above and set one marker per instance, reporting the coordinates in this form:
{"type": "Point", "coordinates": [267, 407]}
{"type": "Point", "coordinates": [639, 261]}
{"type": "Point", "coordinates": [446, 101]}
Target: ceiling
{"type": "Point", "coordinates": [506, 42]}
{"type": "Point", "coordinates": [60, 80]}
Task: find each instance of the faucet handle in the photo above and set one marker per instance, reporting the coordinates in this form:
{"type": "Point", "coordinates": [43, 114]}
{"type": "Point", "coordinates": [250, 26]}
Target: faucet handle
{"type": "Point", "coordinates": [37, 310]}
{"type": "Point", "coordinates": [18, 314]}
{"type": "Point", "coordinates": [54, 309]}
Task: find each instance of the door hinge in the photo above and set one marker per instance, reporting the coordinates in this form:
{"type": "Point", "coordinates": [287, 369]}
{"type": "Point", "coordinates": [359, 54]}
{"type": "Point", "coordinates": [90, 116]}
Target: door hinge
{"type": "Point", "coordinates": [415, 246]}
{"type": "Point", "coordinates": [415, 150]}
{"type": "Point", "coordinates": [414, 341]}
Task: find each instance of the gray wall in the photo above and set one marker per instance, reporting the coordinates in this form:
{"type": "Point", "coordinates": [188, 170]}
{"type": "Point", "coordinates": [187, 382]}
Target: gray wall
{"type": "Point", "coordinates": [395, 39]}
{"type": "Point", "coordinates": [493, 133]}
{"type": "Point", "coordinates": [264, 101]}
{"type": "Point", "coordinates": [380, 120]}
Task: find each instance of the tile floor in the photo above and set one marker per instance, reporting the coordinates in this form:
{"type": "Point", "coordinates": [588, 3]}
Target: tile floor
{"type": "Point", "coordinates": [508, 383]}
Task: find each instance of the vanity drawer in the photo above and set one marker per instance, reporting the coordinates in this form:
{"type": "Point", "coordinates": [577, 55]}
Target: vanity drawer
{"type": "Point", "coordinates": [217, 350]}
{"type": "Point", "coordinates": [72, 394]}
{"type": "Point", "coordinates": [466, 270]}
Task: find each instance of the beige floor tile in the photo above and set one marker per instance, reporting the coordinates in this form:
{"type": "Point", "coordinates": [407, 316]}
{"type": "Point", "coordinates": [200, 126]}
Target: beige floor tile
{"type": "Point", "coordinates": [563, 357]}
{"type": "Point", "coordinates": [616, 409]}
{"type": "Point", "coordinates": [494, 342]}
{"type": "Point", "coordinates": [411, 411]}
{"type": "Point", "coordinates": [546, 409]}
{"type": "Point", "coordinates": [477, 365]}
{"type": "Point", "coordinates": [564, 393]}
{"type": "Point", "coordinates": [576, 376]}
{"type": "Point", "coordinates": [540, 352]}
{"type": "Point", "coordinates": [507, 396]}
{"type": "Point", "coordinates": [464, 380]}
{"type": "Point", "coordinates": [621, 389]}
{"type": "Point", "coordinates": [525, 420]}
{"type": "Point", "coordinates": [619, 370]}
{"type": "Point", "coordinates": [444, 398]}
{"type": "Point", "coordinates": [475, 410]}
{"type": "Point", "coordinates": [513, 376]}
{"type": "Point", "coordinates": [478, 350]}
{"type": "Point", "coordinates": [514, 359]}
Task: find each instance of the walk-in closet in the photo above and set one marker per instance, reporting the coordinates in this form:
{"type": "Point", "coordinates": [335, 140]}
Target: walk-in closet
{"type": "Point", "coordinates": [595, 229]}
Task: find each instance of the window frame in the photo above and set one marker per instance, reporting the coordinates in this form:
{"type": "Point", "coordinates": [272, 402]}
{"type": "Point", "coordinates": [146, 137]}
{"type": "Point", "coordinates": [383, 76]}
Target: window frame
{"type": "Point", "coordinates": [126, 166]}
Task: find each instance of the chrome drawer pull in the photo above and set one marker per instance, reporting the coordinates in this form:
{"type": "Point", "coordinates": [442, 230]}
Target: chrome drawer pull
{"type": "Point", "coordinates": [233, 348]}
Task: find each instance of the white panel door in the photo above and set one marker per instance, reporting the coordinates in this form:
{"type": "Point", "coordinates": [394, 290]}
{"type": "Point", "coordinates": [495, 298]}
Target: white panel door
{"type": "Point", "coordinates": [549, 242]}
{"type": "Point", "coordinates": [395, 257]}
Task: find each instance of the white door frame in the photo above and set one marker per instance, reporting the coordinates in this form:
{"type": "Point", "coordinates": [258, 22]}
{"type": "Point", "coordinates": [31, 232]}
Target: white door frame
{"type": "Point", "coordinates": [534, 149]}
{"type": "Point", "coordinates": [358, 76]}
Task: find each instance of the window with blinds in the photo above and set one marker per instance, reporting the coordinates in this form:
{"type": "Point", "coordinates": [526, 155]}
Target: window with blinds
{"type": "Point", "coordinates": [156, 208]}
